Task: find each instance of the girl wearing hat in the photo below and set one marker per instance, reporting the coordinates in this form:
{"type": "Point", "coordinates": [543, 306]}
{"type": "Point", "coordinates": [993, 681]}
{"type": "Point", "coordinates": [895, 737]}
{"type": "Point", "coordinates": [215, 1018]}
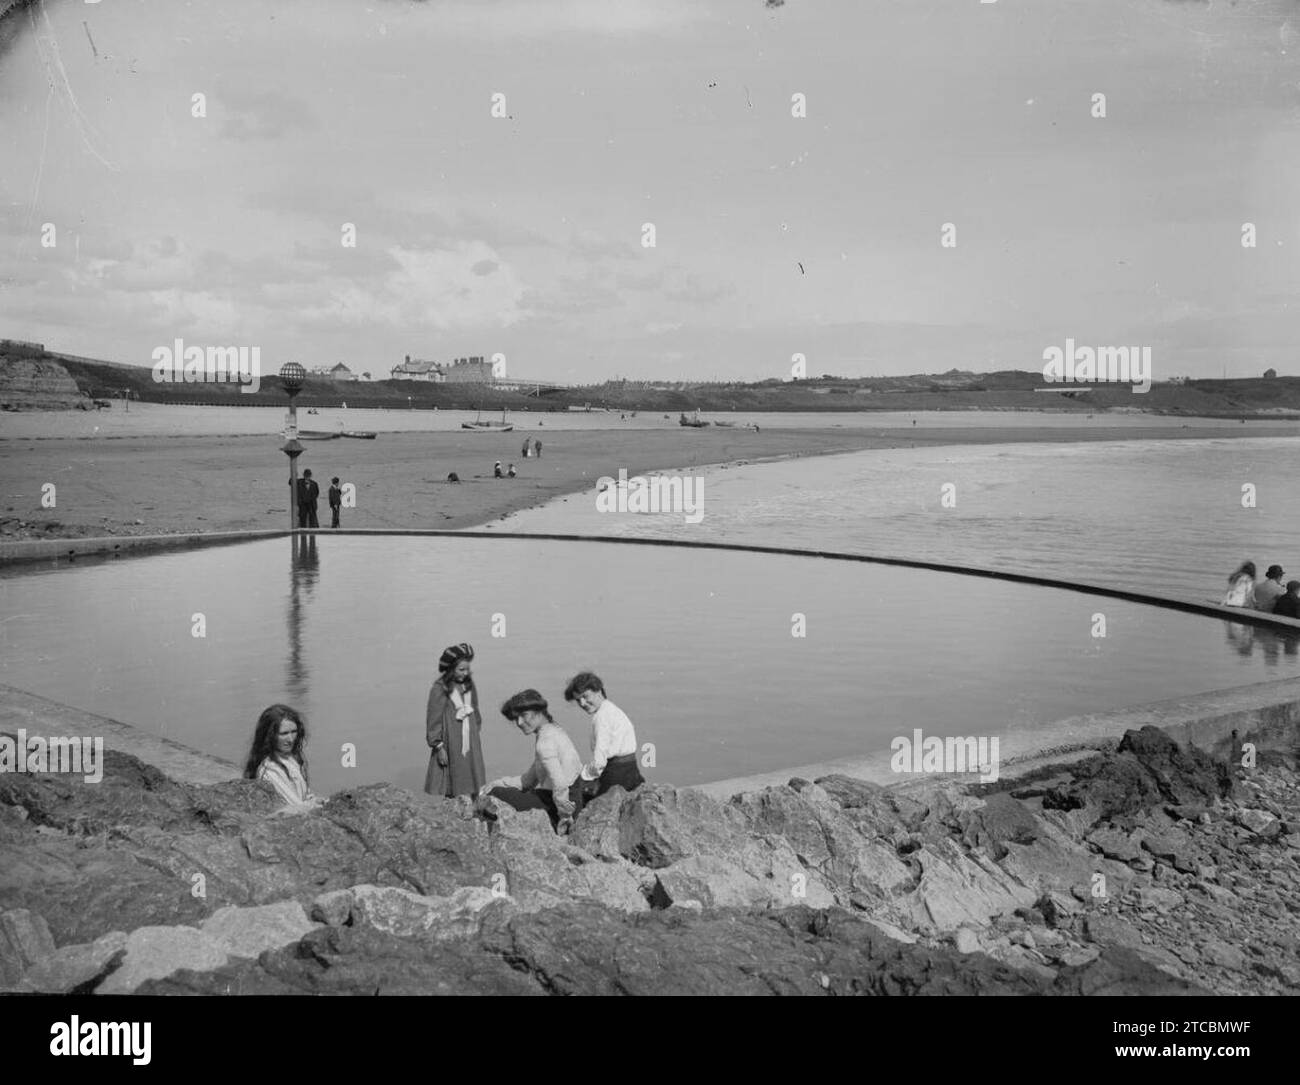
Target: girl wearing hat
{"type": "Point", "coordinates": [553, 781]}
{"type": "Point", "coordinates": [451, 726]}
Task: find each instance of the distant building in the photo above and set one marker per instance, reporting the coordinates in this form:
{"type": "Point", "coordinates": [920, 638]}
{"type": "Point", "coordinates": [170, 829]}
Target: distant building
{"type": "Point", "coordinates": [416, 369]}
{"type": "Point", "coordinates": [1269, 374]}
{"type": "Point", "coordinates": [472, 370]}
{"type": "Point", "coordinates": [340, 372]}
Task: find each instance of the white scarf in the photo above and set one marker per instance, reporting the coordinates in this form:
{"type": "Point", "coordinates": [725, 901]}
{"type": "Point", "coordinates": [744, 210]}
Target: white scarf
{"type": "Point", "coordinates": [464, 703]}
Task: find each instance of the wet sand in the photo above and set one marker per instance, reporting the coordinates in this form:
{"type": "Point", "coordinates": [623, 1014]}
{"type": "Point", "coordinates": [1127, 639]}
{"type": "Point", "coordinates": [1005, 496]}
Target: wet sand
{"type": "Point", "coordinates": [133, 485]}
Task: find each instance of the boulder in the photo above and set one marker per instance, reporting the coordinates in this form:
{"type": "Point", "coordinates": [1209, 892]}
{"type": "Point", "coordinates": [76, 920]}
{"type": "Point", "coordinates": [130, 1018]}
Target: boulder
{"type": "Point", "coordinates": [999, 820]}
{"type": "Point", "coordinates": [955, 890]}
{"type": "Point", "coordinates": [78, 966]}
{"type": "Point", "coordinates": [246, 932]}
{"type": "Point", "coordinates": [25, 939]}
{"type": "Point", "coordinates": [155, 952]}
{"type": "Point", "coordinates": [659, 825]}
{"type": "Point", "coordinates": [399, 911]}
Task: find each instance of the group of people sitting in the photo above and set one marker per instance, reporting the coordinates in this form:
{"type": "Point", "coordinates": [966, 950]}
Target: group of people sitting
{"type": "Point", "coordinates": [1267, 595]}
{"type": "Point", "coordinates": [558, 780]}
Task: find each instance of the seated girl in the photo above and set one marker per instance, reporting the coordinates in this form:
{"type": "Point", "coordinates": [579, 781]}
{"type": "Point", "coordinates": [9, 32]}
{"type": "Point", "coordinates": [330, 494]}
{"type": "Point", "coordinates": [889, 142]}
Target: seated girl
{"type": "Point", "coordinates": [276, 755]}
{"type": "Point", "coordinates": [613, 740]}
{"type": "Point", "coordinates": [553, 781]}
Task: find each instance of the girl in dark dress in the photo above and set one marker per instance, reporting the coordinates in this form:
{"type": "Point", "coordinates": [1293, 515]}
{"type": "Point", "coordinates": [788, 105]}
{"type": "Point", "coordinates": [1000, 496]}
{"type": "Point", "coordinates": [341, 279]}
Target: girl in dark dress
{"type": "Point", "coordinates": [452, 726]}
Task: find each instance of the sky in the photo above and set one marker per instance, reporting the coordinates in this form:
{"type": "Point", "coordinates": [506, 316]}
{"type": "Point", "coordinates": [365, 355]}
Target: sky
{"type": "Point", "coordinates": [774, 234]}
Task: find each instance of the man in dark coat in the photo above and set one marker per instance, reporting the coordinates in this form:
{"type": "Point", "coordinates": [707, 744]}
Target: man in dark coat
{"type": "Point", "coordinates": [308, 494]}
{"type": "Point", "coordinates": [336, 501]}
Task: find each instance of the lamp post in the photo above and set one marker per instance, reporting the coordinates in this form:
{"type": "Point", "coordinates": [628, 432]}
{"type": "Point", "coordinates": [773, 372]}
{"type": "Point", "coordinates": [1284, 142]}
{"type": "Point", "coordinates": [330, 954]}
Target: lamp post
{"type": "Point", "coordinates": [292, 376]}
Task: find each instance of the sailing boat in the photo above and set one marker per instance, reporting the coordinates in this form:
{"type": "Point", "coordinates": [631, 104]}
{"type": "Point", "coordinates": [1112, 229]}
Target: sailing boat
{"type": "Point", "coordinates": [490, 427]}
{"type": "Point", "coordinates": [694, 423]}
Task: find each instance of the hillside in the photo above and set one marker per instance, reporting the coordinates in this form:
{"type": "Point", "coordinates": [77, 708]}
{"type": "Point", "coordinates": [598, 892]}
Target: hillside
{"type": "Point", "coordinates": [31, 376]}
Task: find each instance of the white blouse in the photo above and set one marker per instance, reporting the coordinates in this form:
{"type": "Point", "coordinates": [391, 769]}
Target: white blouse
{"type": "Point", "coordinates": [287, 778]}
{"type": "Point", "coordinates": [612, 735]}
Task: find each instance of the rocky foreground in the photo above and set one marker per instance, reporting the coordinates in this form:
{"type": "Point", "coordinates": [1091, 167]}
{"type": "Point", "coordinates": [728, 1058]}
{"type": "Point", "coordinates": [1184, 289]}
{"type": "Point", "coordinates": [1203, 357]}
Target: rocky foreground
{"type": "Point", "coordinates": [1146, 870]}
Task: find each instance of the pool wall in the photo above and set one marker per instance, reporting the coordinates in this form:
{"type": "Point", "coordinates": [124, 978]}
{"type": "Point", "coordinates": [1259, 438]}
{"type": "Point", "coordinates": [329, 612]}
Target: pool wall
{"type": "Point", "coordinates": [46, 550]}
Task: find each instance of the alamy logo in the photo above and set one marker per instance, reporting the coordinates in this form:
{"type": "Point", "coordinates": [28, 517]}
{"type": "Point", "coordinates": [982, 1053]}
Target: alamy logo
{"type": "Point", "coordinates": [179, 364]}
{"type": "Point", "coordinates": [82, 757]}
{"type": "Point", "coordinates": [950, 755]}
{"type": "Point", "coordinates": [78, 1037]}
{"type": "Point", "coordinates": [1107, 365]}
{"type": "Point", "coordinates": [659, 493]}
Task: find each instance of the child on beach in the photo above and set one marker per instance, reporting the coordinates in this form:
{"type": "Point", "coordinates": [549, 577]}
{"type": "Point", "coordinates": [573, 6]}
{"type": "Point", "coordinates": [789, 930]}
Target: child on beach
{"type": "Point", "coordinates": [510, 471]}
{"type": "Point", "coordinates": [496, 470]}
{"type": "Point", "coordinates": [336, 500]}
{"type": "Point", "coordinates": [276, 755]}
{"type": "Point", "coordinates": [613, 739]}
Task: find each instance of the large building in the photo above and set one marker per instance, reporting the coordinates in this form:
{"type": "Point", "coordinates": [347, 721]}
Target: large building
{"type": "Point", "coordinates": [472, 370]}
{"type": "Point", "coordinates": [415, 369]}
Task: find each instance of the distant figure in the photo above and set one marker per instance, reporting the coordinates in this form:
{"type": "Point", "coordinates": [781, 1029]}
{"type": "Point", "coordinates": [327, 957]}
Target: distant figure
{"type": "Point", "coordinates": [1241, 587]}
{"type": "Point", "coordinates": [1288, 606]}
{"type": "Point", "coordinates": [757, 430]}
{"type": "Point", "coordinates": [553, 782]}
{"type": "Point", "coordinates": [613, 739]}
{"type": "Point", "coordinates": [1269, 590]}
{"type": "Point", "coordinates": [453, 477]}
{"type": "Point", "coordinates": [451, 727]}
{"type": "Point", "coordinates": [497, 470]}
{"type": "Point", "coordinates": [276, 755]}
{"type": "Point", "coordinates": [308, 494]}
{"type": "Point", "coordinates": [537, 448]}
{"type": "Point", "coordinates": [914, 421]}
{"type": "Point", "coordinates": [510, 471]}
{"type": "Point", "coordinates": [528, 447]}
{"type": "Point", "coordinates": [336, 501]}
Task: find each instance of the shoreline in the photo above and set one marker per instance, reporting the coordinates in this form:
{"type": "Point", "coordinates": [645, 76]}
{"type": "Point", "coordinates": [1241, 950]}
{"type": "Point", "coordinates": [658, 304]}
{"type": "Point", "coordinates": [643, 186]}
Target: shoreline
{"type": "Point", "coordinates": [151, 485]}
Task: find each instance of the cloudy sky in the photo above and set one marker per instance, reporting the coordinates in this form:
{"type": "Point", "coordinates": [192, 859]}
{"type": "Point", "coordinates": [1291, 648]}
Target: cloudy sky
{"type": "Point", "coordinates": [775, 234]}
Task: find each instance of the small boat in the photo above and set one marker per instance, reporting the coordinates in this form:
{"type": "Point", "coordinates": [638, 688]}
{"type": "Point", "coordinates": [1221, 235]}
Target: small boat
{"type": "Point", "coordinates": [694, 423]}
{"type": "Point", "coordinates": [316, 435]}
{"type": "Point", "coordinates": [724, 424]}
{"type": "Point", "coordinates": [360, 435]}
{"type": "Point", "coordinates": [489, 427]}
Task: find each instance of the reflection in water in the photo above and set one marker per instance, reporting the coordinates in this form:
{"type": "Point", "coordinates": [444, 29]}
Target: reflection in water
{"type": "Point", "coordinates": [304, 572]}
{"type": "Point", "coordinates": [1246, 638]}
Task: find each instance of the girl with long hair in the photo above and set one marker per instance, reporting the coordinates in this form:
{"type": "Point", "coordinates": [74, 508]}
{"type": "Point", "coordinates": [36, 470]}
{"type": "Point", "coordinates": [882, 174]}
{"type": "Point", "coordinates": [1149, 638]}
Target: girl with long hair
{"type": "Point", "coordinates": [276, 755]}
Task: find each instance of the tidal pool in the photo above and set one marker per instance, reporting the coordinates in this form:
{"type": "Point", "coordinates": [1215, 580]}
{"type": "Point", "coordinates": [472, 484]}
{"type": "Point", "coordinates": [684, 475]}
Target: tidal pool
{"type": "Point", "coordinates": [697, 645]}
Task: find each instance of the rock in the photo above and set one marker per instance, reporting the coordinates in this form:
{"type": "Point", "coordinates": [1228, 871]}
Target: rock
{"type": "Point", "coordinates": [246, 932]}
{"type": "Point", "coordinates": [70, 967]}
{"type": "Point", "coordinates": [1162, 900]}
{"type": "Point", "coordinates": [358, 960]}
{"type": "Point", "coordinates": [966, 940]}
{"type": "Point", "coordinates": [659, 825]}
{"type": "Point", "coordinates": [156, 952]}
{"type": "Point", "coordinates": [1257, 821]}
{"type": "Point", "coordinates": [955, 891]}
{"type": "Point", "coordinates": [1148, 769]}
{"type": "Point", "coordinates": [1058, 909]}
{"type": "Point", "coordinates": [1000, 819]}
{"type": "Point", "coordinates": [25, 939]}
{"type": "Point", "coordinates": [1116, 845]}
{"type": "Point", "coordinates": [334, 908]}
{"type": "Point", "coordinates": [716, 883]}
{"type": "Point", "coordinates": [401, 912]}
{"type": "Point", "coordinates": [1225, 956]}
{"type": "Point", "coordinates": [596, 829]}
{"type": "Point", "coordinates": [1175, 847]}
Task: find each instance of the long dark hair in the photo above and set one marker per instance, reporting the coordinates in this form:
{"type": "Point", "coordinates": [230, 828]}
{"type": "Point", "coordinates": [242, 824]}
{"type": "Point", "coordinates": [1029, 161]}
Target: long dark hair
{"type": "Point", "coordinates": [268, 726]}
{"type": "Point", "coordinates": [1246, 567]}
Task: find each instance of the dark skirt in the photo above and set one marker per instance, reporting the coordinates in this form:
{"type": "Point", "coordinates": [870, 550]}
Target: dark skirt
{"type": "Point", "coordinates": [621, 771]}
{"type": "Point", "coordinates": [539, 799]}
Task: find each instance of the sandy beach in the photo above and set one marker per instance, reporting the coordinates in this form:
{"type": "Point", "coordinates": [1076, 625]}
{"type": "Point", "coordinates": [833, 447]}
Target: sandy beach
{"type": "Point", "coordinates": [135, 484]}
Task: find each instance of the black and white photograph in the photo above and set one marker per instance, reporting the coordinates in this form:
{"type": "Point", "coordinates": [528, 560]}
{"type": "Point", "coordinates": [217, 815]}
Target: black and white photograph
{"type": "Point", "coordinates": [649, 498]}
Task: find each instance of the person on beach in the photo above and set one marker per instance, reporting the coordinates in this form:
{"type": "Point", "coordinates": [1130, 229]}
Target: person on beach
{"type": "Point", "coordinates": [613, 739]}
{"type": "Point", "coordinates": [537, 448]}
{"type": "Point", "coordinates": [510, 471]}
{"type": "Point", "coordinates": [1241, 587]}
{"type": "Point", "coordinates": [1269, 590]}
{"type": "Point", "coordinates": [496, 470]}
{"type": "Point", "coordinates": [1288, 606]}
{"type": "Point", "coordinates": [276, 755]}
{"type": "Point", "coordinates": [528, 447]}
{"type": "Point", "coordinates": [336, 501]}
{"type": "Point", "coordinates": [553, 782]}
{"type": "Point", "coordinates": [452, 726]}
{"type": "Point", "coordinates": [308, 494]}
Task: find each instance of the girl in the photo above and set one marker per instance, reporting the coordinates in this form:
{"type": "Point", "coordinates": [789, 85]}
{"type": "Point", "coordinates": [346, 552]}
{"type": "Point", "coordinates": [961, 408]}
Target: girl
{"type": "Point", "coordinates": [276, 755]}
{"type": "Point", "coordinates": [553, 782]}
{"type": "Point", "coordinates": [1241, 587]}
{"type": "Point", "coordinates": [451, 727]}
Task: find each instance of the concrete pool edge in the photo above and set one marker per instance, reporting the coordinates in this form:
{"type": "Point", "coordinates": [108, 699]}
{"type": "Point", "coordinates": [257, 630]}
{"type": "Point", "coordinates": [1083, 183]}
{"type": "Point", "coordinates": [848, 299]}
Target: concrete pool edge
{"type": "Point", "coordinates": [1266, 714]}
{"type": "Point", "coordinates": [25, 551]}
{"type": "Point", "coordinates": [43, 718]}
